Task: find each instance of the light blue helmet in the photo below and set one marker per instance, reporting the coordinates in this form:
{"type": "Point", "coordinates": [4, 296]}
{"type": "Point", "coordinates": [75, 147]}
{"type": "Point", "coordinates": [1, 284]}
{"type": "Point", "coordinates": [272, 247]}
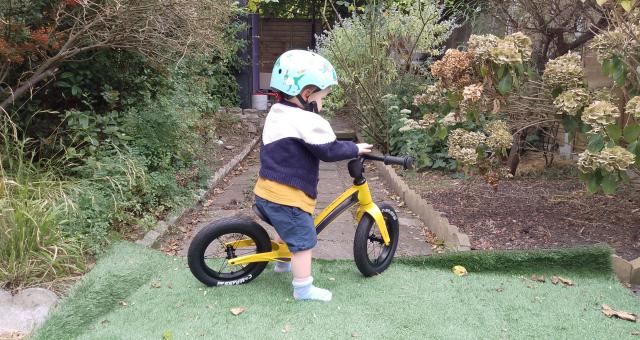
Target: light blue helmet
{"type": "Point", "coordinates": [296, 69]}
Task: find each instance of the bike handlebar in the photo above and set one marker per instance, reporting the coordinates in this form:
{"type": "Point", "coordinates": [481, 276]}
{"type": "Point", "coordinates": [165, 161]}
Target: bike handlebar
{"type": "Point", "coordinates": [405, 161]}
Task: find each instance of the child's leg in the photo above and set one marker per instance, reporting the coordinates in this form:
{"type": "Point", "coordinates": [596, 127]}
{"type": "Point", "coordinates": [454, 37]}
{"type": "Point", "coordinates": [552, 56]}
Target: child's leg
{"type": "Point", "coordinates": [303, 288]}
{"type": "Point", "coordinates": [281, 267]}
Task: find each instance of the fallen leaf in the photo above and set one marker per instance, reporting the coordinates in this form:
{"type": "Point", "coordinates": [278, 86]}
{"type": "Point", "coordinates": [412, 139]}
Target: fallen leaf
{"type": "Point", "coordinates": [167, 335]}
{"type": "Point", "coordinates": [104, 322]}
{"type": "Point", "coordinates": [169, 285]}
{"type": "Point", "coordinates": [401, 204]}
{"type": "Point", "coordinates": [355, 335]}
{"type": "Point", "coordinates": [156, 285]}
{"type": "Point", "coordinates": [459, 270]}
{"type": "Point", "coordinates": [537, 278]}
{"type": "Point", "coordinates": [499, 290]}
{"type": "Point", "coordinates": [635, 332]}
{"type": "Point", "coordinates": [565, 282]}
{"type": "Point", "coordinates": [123, 303]}
{"type": "Point", "coordinates": [286, 329]}
{"type": "Point", "coordinates": [610, 312]}
{"type": "Point", "coordinates": [555, 280]}
{"type": "Point", "coordinates": [238, 310]}
{"type": "Point", "coordinates": [332, 279]}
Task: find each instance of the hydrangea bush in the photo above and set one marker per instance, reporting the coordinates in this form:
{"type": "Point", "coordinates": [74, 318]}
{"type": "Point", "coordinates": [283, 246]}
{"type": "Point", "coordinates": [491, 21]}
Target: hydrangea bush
{"type": "Point", "coordinates": [457, 114]}
{"type": "Point", "coordinates": [609, 122]}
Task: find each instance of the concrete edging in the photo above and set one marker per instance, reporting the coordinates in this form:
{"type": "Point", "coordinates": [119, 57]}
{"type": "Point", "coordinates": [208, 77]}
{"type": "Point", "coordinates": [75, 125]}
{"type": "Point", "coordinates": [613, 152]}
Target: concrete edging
{"type": "Point", "coordinates": [439, 225]}
{"type": "Point", "coordinates": [151, 237]}
{"type": "Point", "coordinates": [626, 271]}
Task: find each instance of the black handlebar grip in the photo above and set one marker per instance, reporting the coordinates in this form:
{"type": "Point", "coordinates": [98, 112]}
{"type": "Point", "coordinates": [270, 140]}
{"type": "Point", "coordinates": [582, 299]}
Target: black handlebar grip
{"type": "Point", "coordinates": [405, 161]}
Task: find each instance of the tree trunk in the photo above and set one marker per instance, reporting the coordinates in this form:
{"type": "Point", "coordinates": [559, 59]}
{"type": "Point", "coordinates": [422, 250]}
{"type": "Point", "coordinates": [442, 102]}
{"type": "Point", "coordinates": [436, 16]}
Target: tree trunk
{"type": "Point", "coordinates": [514, 154]}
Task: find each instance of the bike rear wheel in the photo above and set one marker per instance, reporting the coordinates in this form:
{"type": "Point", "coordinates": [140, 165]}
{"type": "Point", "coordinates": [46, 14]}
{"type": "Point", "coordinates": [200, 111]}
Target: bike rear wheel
{"type": "Point", "coordinates": [221, 241]}
{"type": "Point", "coordinates": [371, 255]}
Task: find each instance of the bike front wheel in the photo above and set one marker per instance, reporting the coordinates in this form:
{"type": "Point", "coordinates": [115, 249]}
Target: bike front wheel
{"type": "Point", "coordinates": [370, 253]}
{"type": "Point", "coordinates": [218, 242]}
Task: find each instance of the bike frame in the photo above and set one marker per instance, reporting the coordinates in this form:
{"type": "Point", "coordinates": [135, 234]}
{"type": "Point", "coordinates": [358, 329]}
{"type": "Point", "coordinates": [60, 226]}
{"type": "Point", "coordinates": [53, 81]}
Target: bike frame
{"type": "Point", "coordinates": [356, 194]}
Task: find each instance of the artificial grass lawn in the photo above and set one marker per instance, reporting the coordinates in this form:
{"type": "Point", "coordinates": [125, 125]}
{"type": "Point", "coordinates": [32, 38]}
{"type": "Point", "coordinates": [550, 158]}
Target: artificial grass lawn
{"type": "Point", "coordinates": [409, 300]}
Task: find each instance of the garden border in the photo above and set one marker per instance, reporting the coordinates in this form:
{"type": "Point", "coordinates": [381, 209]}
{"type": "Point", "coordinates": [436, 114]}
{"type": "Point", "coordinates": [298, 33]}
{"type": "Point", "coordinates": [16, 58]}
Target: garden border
{"type": "Point", "coordinates": [453, 238]}
{"type": "Point", "coordinates": [151, 237]}
{"type": "Point", "coordinates": [625, 271]}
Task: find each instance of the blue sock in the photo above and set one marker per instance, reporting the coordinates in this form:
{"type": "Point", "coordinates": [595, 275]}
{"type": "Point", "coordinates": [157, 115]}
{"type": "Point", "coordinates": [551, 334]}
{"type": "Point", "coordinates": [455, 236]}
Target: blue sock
{"type": "Point", "coordinates": [305, 290]}
{"type": "Point", "coordinates": [282, 267]}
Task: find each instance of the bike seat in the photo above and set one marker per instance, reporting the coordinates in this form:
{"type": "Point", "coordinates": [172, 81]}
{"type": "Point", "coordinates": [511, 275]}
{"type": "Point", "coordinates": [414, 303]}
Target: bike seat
{"type": "Point", "coordinates": [259, 214]}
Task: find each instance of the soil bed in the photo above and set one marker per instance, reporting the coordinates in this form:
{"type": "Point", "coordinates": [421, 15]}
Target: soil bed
{"type": "Point", "coordinates": [545, 211]}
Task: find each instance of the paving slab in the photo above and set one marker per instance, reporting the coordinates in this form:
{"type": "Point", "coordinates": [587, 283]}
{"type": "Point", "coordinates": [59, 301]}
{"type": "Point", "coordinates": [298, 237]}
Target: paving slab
{"type": "Point", "coordinates": [21, 313]}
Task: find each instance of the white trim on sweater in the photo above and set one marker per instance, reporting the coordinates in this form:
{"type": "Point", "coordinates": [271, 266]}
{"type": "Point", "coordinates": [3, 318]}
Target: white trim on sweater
{"type": "Point", "coordinates": [290, 122]}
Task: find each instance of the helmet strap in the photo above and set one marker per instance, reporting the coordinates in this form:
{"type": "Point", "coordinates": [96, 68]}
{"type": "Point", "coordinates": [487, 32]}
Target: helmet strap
{"type": "Point", "coordinates": [311, 107]}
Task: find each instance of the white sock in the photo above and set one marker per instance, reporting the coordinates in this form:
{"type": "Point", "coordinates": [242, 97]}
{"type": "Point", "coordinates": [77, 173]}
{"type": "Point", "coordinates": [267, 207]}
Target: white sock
{"type": "Point", "coordinates": [305, 290]}
{"type": "Point", "coordinates": [282, 267]}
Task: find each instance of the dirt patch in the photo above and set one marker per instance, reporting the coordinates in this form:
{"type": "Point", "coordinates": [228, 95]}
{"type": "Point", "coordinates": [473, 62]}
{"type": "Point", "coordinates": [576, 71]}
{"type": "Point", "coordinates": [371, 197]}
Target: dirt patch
{"type": "Point", "coordinates": [551, 210]}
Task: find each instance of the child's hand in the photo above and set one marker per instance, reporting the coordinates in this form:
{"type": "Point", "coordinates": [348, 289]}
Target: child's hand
{"type": "Point", "coordinates": [364, 148]}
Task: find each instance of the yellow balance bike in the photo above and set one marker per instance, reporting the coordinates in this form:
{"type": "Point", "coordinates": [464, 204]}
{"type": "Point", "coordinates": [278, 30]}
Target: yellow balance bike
{"type": "Point", "coordinates": [236, 250]}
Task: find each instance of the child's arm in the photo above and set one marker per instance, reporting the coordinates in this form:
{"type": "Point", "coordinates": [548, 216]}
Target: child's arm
{"type": "Point", "coordinates": [322, 142]}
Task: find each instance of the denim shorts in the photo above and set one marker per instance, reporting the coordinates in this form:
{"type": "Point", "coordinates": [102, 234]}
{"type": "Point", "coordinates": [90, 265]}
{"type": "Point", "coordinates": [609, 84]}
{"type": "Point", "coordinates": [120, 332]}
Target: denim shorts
{"type": "Point", "coordinates": [293, 225]}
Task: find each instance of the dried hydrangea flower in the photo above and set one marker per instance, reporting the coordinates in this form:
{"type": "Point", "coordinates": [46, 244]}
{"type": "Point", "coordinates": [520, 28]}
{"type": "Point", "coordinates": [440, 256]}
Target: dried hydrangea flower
{"type": "Point", "coordinates": [609, 159]}
{"type": "Point", "coordinates": [409, 125]}
{"type": "Point", "coordinates": [464, 156]}
{"type": "Point", "coordinates": [434, 95]}
{"type": "Point", "coordinates": [600, 114]}
{"type": "Point", "coordinates": [523, 44]}
{"type": "Point", "coordinates": [570, 102]}
{"type": "Point", "coordinates": [481, 45]}
{"type": "Point", "coordinates": [428, 119]}
{"type": "Point", "coordinates": [453, 118]}
{"type": "Point", "coordinates": [455, 70]}
{"type": "Point", "coordinates": [505, 52]}
{"type": "Point", "coordinates": [472, 93]}
{"type": "Point", "coordinates": [588, 161]}
{"type": "Point", "coordinates": [633, 107]}
{"type": "Point", "coordinates": [500, 138]}
{"type": "Point", "coordinates": [466, 139]}
{"type": "Point", "coordinates": [565, 71]}
{"type": "Point", "coordinates": [606, 44]}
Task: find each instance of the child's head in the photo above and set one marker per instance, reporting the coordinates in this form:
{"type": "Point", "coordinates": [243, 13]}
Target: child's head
{"type": "Point", "coordinates": [303, 77]}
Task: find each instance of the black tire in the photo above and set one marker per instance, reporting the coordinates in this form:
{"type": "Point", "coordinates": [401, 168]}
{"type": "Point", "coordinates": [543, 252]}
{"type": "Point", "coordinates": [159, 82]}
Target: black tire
{"type": "Point", "coordinates": [207, 256]}
{"type": "Point", "coordinates": [368, 238]}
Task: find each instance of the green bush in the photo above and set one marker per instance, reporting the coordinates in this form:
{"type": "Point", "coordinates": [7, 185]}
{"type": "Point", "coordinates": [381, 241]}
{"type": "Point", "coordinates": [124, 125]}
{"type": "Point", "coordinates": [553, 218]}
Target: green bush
{"type": "Point", "coordinates": [372, 51]}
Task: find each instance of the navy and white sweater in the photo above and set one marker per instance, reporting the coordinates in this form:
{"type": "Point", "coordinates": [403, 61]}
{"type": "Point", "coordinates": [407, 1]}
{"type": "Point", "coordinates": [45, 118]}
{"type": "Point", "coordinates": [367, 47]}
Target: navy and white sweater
{"type": "Point", "coordinates": [293, 143]}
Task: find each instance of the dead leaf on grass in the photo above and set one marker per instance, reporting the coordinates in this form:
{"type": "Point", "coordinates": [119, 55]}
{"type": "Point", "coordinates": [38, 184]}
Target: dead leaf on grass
{"type": "Point", "coordinates": [610, 312]}
{"type": "Point", "coordinates": [559, 279]}
{"type": "Point", "coordinates": [635, 332]}
{"type": "Point", "coordinates": [287, 328]}
{"type": "Point", "coordinates": [459, 270]}
{"type": "Point", "coordinates": [535, 277]}
{"type": "Point", "coordinates": [167, 335]}
{"type": "Point", "coordinates": [123, 303]}
{"type": "Point", "coordinates": [156, 285]}
{"type": "Point", "coordinates": [499, 290]}
{"type": "Point", "coordinates": [238, 310]}
{"type": "Point", "coordinates": [355, 335]}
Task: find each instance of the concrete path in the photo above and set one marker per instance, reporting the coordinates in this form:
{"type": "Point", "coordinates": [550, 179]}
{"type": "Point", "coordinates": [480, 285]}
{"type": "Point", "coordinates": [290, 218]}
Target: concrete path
{"type": "Point", "coordinates": [335, 242]}
{"type": "Point", "coordinates": [21, 313]}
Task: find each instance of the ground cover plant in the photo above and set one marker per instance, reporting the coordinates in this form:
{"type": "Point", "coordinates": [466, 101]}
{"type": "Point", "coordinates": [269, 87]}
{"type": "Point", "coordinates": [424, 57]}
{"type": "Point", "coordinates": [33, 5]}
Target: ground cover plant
{"type": "Point", "coordinates": [419, 297]}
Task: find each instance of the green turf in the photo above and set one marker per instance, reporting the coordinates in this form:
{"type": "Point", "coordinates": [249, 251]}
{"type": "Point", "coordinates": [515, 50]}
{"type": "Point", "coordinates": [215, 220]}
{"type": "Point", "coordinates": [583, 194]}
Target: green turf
{"type": "Point", "coordinates": [407, 301]}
